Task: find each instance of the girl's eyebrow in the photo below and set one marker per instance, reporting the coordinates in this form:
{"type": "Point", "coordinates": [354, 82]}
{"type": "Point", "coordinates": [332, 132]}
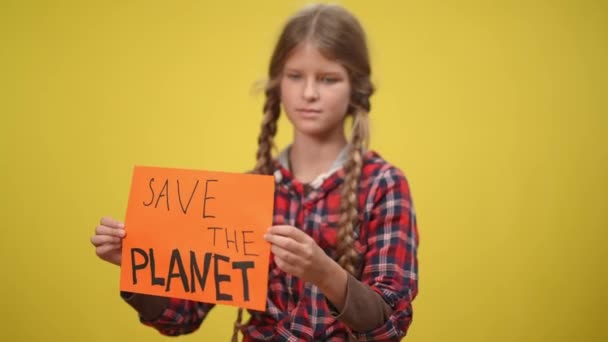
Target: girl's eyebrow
{"type": "Point", "coordinates": [332, 73]}
{"type": "Point", "coordinates": [322, 72]}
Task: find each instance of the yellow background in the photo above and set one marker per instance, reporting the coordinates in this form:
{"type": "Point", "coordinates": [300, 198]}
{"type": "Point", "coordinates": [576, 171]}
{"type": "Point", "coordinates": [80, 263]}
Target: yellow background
{"type": "Point", "coordinates": [495, 110]}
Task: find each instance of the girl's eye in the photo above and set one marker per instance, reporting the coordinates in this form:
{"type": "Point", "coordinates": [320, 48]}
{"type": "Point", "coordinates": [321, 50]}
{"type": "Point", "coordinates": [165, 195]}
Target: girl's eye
{"type": "Point", "coordinates": [329, 80]}
{"type": "Point", "coordinates": [293, 76]}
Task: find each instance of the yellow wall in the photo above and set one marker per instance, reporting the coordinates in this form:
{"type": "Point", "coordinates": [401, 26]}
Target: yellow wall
{"type": "Point", "coordinates": [496, 111]}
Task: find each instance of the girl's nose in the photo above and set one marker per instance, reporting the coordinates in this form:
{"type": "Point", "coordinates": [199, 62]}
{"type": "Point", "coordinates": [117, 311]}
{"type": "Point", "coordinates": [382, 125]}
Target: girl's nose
{"type": "Point", "coordinates": [311, 93]}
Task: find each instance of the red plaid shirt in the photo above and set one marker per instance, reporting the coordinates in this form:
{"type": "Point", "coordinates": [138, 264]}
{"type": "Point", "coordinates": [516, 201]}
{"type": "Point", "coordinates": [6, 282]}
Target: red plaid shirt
{"type": "Point", "coordinates": [387, 240]}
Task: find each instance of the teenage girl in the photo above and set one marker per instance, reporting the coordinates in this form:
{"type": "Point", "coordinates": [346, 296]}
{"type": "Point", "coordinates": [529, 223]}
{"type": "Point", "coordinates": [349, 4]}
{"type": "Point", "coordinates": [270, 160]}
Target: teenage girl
{"type": "Point", "coordinates": [344, 240]}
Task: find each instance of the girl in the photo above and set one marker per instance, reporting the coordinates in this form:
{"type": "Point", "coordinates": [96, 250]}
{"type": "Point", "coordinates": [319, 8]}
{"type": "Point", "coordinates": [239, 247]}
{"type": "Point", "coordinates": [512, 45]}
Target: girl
{"type": "Point", "coordinates": [344, 240]}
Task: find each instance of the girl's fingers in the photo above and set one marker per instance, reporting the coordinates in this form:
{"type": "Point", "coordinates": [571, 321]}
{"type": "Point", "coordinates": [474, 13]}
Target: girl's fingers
{"type": "Point", "coordinates": [98, 240]}
{"type": "Point", "coordinates": [107, 248]}
{"type": "Point", "coordinates": [283, 266]}
{"type": "Point", "coordinates": [285, 260]}
{"type": "Point", "coordinates": [283, 254]}
{"type": "Point", "coordinates": [105, 230]}
{"type": "Point", "coordinates": [110, 222]}
{"type": "Point", "coordinates": [288, 231]}
{"type": "Point", "coordinates": [284, 242]}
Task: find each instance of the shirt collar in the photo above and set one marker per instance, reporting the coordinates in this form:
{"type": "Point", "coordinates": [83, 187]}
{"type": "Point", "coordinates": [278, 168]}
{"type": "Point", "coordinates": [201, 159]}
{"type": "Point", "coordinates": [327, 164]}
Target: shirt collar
{"type": "Point", "coordinates": [283, 159]}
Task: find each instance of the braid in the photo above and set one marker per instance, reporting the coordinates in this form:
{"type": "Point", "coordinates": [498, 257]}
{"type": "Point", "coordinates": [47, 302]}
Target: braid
{"type": "Point", "coordinates": [237, 325]}
{"type": "Point", "coordinates": [272, 110]}
{"type": "Point", "coordinates": [350, 202]}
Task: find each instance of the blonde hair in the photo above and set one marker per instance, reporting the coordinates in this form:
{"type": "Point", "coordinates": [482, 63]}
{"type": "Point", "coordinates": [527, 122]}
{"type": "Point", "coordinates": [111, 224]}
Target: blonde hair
{"type": "Point", "coordinates": [340, 37]}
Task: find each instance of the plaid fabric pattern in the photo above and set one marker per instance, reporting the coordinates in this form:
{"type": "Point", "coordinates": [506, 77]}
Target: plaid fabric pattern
{"type": "Point", "coordinates": [386, 240]}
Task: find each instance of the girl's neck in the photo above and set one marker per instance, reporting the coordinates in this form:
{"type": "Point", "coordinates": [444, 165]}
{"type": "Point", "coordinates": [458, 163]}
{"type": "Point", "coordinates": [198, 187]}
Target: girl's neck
{"type": "Point", "coordinates": [309, 157]}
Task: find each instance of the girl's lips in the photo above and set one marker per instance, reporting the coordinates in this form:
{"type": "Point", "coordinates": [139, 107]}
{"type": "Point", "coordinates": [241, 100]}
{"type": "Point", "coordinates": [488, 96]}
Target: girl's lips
{"type": "Point", "coordinates": [308, 113]}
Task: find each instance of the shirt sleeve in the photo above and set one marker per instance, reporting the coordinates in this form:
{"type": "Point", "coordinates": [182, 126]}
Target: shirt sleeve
{"type": "Point", "coordinates": [390, 265]}
{"type": "Point", "coordinates": [170, 316]}
{"type": "Point", "coordinates": [363, 309]}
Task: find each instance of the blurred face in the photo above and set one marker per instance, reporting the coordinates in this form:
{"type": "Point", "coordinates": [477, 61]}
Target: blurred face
{"type": "Point", "coordinates": [315, 92]}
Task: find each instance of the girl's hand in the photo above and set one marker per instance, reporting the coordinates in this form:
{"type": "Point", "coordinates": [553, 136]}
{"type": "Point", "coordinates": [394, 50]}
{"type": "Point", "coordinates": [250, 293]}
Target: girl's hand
{"type": "Point", "coordinates": [108, 240]}
{"type": "Point", "coordinates": [296, 253]}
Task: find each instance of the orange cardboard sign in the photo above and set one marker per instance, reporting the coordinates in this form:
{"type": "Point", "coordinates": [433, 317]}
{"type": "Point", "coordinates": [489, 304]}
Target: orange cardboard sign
{"type": "Point", "coordinates": [198, 235]}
